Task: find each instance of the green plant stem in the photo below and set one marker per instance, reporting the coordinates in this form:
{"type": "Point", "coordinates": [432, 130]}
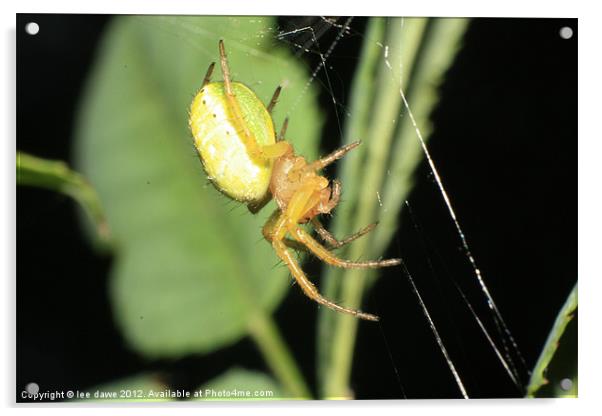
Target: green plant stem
{"type": "Point", "coordinates": [401, 40]}
{"type": "Point", "coordinates": [565, 316]}
{"type": "Point", "coordinates": [265, 333]}
{"type": "Point", "coordinates": [417, 55]}
{"type": "Point", "coordinates": [440, 45]}
{"type": "Point", "coordinates": [356, 127]}
{"type": "Point", "coordinates": [352, 288]}
{"type": "Point", "coordinates": [55, 175]}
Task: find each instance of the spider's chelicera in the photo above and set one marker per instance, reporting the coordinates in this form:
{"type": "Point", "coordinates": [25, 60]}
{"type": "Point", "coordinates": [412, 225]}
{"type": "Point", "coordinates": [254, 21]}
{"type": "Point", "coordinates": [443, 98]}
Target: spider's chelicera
{"type": "Point", "coordinates": [234, 134]}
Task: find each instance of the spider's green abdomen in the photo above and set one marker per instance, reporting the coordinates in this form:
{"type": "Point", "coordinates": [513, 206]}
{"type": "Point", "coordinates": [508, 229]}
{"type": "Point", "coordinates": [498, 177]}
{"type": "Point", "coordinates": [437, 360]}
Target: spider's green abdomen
{"type": "Point", "coordinates": [219, 144]}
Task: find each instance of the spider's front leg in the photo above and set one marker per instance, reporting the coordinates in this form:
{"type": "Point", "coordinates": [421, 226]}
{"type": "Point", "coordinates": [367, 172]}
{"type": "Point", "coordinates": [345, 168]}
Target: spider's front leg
{"type": "Point", "coordinates": [325, 208]}
{"type": "Point", "coordinates": [275, 231]}
{"type": "Point", "coordinates": [331, 240]}
{"type": "Point", "coordinates": [303, 204]}
{"type": "Point", "coordinates": [332, 157]}
{"type": "Point", "coordinates": [325, 255]}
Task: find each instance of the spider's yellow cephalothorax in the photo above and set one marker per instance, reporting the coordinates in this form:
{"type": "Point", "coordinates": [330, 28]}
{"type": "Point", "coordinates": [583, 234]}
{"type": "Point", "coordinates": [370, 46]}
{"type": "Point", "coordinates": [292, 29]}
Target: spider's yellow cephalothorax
{"type": "Point", "coordinates": [234, 135]}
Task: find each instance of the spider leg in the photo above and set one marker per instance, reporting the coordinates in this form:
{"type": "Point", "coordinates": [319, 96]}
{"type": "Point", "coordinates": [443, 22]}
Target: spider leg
{"type": "Point", "coordinates": [255, 150]}
{"type": "Point", "coordinates": [335, 196]}
{"type": "Point", "coordinates": [274, 231]}
{"type": "Point", "coordinates": [331, 239]}
{"type": "Point", "coordinates": [325, 234]}
{"type": "Point", "coordinates": [254, 208]}
{"type": "Point", "coordinates": [207, 78]}
{"type": "Point", "coordinates": [337, 154]}
{"type": "Point", "coordinates": [282, 130]}
{"type": "Point", "coordinates": [325, 255]}
{"type": "Point", "coordinates": [308, 287]}
{"type": "Point", "coordinates": [268, 233]}
{"type": "Point", "coordinates": [298, 206]}
{"type": "Point", "coordinates": [274, 99]}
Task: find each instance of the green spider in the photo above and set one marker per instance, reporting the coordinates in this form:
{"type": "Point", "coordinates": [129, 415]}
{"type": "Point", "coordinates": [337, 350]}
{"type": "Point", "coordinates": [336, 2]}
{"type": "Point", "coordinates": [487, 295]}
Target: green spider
{"type": "Point", "coordinates": [234, 135]}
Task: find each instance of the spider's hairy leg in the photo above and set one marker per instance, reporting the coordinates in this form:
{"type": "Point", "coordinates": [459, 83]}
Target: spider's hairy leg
{"type": "Point", "coordinates": [207, 78]}
{"type": "Point", "coordinates": [331, 240]}
{"type": "Point", "coordinates": [308, 287]}
{"type": "Point", "coordinates": [274, 99]}
{"type": "Point", "coordinates": [298, 206]}
{"type": "Point", "coordinates": [255, 207]}
{"type": "Point", "coordinates": [325, 234]}
{"type": "Point", "coordinates": [335, 196]}
{"type": "Point", "coordinates": [268, 233]}
{"type": "Point", "coordinates": [282, 130]}
{"type": "Point", "coordinates": [274, 231]}
{"type": "Point", "coordinates": [276, 150]}
{"type": "Point", "coordinates": [325, 255]}
{"type": "Point", "coordinates": [332, 157]}
{"type": "Point", "coordinates": [255, 150]}
{"type": "Point", "coordinates": [269, 228]}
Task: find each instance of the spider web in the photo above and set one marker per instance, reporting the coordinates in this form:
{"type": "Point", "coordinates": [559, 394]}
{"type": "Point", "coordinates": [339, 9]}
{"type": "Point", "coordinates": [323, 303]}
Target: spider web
{"type": "Point", "coordinates": [446, 290]}
{"type": "Point", "coordinates": [305, 39]}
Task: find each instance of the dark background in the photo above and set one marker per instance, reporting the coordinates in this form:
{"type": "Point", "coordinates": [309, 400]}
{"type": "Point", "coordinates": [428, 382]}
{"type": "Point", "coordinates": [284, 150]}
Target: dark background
{"type": "Point", "coordinates": [505, 143]}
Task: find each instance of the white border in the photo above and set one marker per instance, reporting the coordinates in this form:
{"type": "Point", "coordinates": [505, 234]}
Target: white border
{"type": "Point", "coordinates": [467, 8]}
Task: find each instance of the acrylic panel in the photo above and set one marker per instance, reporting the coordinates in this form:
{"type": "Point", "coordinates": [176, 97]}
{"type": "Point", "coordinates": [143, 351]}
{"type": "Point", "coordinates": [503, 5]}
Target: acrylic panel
{"type": "Point", "coordinates": [140, 279]}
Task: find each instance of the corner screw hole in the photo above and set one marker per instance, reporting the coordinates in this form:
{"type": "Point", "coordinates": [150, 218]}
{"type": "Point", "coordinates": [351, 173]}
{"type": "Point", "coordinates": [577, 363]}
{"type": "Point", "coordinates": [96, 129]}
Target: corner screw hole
{"type": "Point", "coordinates": [566, 384]}
{"type": "Point", "coordinates": [32, 388]}
{"type": "Point", "coordinates": [566, 32]}
{"type": "Point", "coordinates": [32, 28]}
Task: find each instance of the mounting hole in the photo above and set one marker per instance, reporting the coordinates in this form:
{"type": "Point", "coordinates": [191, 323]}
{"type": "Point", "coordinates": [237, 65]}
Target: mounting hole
{"type": "Point", "coordinates": [566, 384]}
{"type": "Point", "coordinates": [566, 32]}
{"type": "Point", "coordinates": [32, 28]}
{"type": "Point", "coordinates": [32, 388]}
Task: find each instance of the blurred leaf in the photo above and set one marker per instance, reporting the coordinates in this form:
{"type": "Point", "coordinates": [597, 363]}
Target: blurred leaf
{"type": "Point", "coordinates": [191, 270]}
{"type": "Point", "coordinates": [235, 383]}
{"type": "Point", "coordinates": [555, 374]}
{"type": "Point", "coordinates": [56, 176]}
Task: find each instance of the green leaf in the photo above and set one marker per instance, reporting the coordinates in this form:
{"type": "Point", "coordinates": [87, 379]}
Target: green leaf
{"type": "Point", "coordinates": [191, 271]}
{"type": "Point", "coordinates": [241, 384]}
{"type": "Point", "coordinates": [56, 176]}
{"type": "Point", "coordinates": [555, 373]}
